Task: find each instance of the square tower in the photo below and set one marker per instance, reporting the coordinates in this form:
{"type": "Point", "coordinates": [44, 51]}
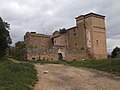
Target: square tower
{"type": "Point", "coordinates": [93, 35]}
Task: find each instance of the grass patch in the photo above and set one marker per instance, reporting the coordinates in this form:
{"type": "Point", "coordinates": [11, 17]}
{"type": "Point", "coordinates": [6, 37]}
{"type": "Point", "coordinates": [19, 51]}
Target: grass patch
{"type": "Point", "coordinates": [16, 76]}
{"type": "Point", "coordinates": [111, 66]}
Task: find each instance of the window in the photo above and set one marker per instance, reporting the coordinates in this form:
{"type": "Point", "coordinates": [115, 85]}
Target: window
{"type": "Point", "coordinates": [74, 33]}
{"type": "Point", "coordinates": [74, 30]}
{"type": "Point", "coordinates": [55, 42]}
{"type": "Point", "coordinates": [97, 42]}
{"type": "Point", "coordinates": [84, 26]}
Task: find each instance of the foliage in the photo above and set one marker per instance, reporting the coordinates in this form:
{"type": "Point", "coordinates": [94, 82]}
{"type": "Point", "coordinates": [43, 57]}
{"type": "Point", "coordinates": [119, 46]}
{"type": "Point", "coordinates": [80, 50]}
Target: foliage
{"type": "Point", "coordinates": [82, 49]}
{"type": "Point", "coordinates": [18, 51]}
{"type": "Point", "coordinates": [62, 31]}
{"type": "Point", "coordinates": [116, 53]}
{"type": "Point", "coordinates": [20, 45]}
{"type": "Point", "coordinates": [16, 76]}
{"type": "Point", "coordinates": [10, 51]}
{"type": "Point", "coordinates": [4, 37]}
{"type": "Point", "coordinates": [111, 66]}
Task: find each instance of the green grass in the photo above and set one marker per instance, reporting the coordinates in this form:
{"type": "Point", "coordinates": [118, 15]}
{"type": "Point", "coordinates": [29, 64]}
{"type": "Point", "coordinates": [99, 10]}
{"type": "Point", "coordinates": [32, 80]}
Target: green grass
{"type": "Point", "coordinates": [111, 66]}
{"type": "Point", "coordinates": [16, 76]}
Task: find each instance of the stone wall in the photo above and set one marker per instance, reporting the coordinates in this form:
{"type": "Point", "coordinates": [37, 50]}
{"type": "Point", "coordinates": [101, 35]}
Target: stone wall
{"type": "Point", "coordinates": [33, 40]}
{"type": "Point", "coordinates": [40, 54]}
{"type": "Point", "coordinates": [52, 54]}
{"type": "Point", "coordinates": [60, 40]}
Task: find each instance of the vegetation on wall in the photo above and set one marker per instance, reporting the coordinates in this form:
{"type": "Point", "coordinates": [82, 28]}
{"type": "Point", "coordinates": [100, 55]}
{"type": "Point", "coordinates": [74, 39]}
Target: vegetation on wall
{"type": "Point", "coordinates": [62, 31]}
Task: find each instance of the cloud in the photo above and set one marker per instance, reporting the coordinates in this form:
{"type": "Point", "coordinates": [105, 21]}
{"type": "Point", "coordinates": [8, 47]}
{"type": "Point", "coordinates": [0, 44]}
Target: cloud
{"type": "Point", "coordinates": [46, 16]}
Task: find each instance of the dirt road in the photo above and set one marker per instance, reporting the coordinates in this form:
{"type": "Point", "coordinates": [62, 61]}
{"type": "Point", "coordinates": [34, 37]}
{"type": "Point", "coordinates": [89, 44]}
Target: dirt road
{"type": "Point", "coordinates": [60, 77]}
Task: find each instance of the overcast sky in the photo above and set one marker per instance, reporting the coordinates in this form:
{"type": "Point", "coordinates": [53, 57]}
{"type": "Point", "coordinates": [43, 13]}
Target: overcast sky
{"type": "Point", "coordinates": [46, 16]}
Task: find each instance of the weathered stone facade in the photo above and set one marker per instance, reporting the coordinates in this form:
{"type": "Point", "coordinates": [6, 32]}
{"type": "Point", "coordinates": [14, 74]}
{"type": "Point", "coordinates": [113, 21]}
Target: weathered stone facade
{"type": "Point", "coordinates": [86, 40]}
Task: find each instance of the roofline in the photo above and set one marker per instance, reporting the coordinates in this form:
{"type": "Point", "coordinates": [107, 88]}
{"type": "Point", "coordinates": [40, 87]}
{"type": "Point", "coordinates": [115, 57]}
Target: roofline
{"type": "Point", "coordinates": [90, 14]}
{"type": "Point", "coordinates": [71, 28]}
{"type": "Point", "coordinates": [40, 35]}
{"type": "Point", "coordinates": [37, 35]}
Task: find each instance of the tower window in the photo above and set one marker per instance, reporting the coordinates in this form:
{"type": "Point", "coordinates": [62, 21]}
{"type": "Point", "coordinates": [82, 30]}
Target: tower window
{"type": "Point", "coordinates": [84, 26]}
{"type": "Point", "coordinates": [42, 45]}
{"type": "Point", "coordinates": [74, 30]}
{"type": "Point", "coordinates": [97, 42]}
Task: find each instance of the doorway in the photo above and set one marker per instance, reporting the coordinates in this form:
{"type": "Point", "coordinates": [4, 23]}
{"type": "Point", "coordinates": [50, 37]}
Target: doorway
{"type": "Point", "coordinates": [60, 57]}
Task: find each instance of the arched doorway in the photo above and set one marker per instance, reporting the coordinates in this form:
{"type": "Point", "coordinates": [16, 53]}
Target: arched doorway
{"type": "Point", "coordinates": [60, 57]}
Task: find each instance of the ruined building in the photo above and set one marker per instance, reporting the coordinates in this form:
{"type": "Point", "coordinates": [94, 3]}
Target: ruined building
{"type": "Point", "coordinates": [84, 41]}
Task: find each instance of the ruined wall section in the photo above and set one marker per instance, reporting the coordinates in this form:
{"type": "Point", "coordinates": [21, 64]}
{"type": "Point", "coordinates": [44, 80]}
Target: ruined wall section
{"type": "Point", "coordinates": [33, 40]}
{"type": "Point", "coordinates": [60, 40]}
{"type": "Point", "coordinates": [52, 54]}
{"type": "Point", "coordinates": [38, 54]}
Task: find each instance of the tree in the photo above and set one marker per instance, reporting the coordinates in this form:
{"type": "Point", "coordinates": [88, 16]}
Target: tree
{"type": "Point", "coordinates": [19, 50]}
{"type": "Point", "coordinates": [115, 52]}
{"type": "Point", "coordinates": [62, 31]}
{"type": "Point", "coordinates": [20, 45]}
{"type": "Point", "coordinates": [5, 39]}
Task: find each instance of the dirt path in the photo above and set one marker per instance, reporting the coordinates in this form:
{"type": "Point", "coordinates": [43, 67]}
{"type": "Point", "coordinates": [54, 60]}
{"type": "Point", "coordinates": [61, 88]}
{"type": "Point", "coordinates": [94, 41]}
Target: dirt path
{"type": "Point", "coordinates": [60, 77]}
{"type": "Point", "coordinates": [13, 60]}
